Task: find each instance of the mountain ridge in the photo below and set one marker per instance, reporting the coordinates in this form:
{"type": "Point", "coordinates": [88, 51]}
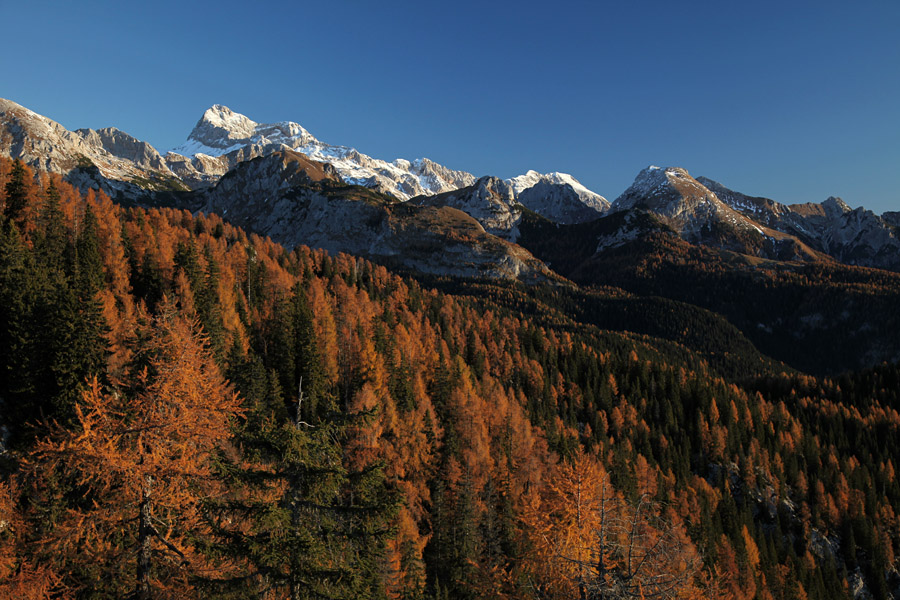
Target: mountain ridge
{"type": "Point", "coordinates": [699, 210]}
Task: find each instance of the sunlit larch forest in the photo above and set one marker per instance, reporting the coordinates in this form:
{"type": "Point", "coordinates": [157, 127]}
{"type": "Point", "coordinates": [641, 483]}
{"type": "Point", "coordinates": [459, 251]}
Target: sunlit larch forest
{"type": "Point", "coordinates": [189, 411]}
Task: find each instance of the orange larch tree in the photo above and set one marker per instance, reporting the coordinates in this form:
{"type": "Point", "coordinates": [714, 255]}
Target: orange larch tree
{"type": "Point", "coordinates": [586, 540]}
{"type": "Point", "coordinates": [139, 456]}
{"type": "Point", "coordinates": [19, 576]}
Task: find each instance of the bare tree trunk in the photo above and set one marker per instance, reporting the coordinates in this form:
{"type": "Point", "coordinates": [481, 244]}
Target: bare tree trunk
{"type": "Point", "coordinates": [295, 491]}
{"type": "Point", "coordinates": [145, 531]}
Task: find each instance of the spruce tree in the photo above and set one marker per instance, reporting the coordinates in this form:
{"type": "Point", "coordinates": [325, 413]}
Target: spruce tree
{"type": "Point", "coordinates": [295, 353]}
{"type": "Point", "coordinates": [89, 273]}
{"type": "Point", "coordinates": [16, 192]}
{"type": "Point", "coordinates": [305, 526]}
{"type": "Point", "coordinates": [75, 348]}
{"type": "Point", "coordinates": [20, 287]}
{"type": "Point", "coordinates": [51, 239]}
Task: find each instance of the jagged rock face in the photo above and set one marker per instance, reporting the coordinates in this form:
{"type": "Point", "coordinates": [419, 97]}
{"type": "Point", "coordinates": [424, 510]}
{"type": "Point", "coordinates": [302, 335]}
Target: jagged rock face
{"type": "Point", "coordinates": [671, 192]}
{"type": "Point", "coordinates": [295, 201]}
{"type": "Point", "coordinates": [107, 159]}
{"type": "Point", "coordinates": [38, 141]}
{"type": "Point", "coordinates": [679, 200]}
{"type": "Point", "coordinates": [853, 236]}
{"type": "Point", "coordinates": [220, 131]}
{"type": "Point", "coordinates": [199, 172]}
{"type": "Point", "coordinates": [558, 197]}
{"type": "Point", "coordinates": [698, 215]}
{"type": "Point", "coordinates": [490, 201]}
{"type": "Point", "coordinates": [132, 170]}
{"type": "Point", "coordinates": [234, 137]}
{"type": "Point", "coordinates": [860, 237]}
{"type": "Point", "coordinates": [761, 210]}
{"type": "Point", "coordinates": [120, 144]}
{"type": "Point", "coordinates": [269, 176]}
{"type": "Point", "coordinates": [892, 218]}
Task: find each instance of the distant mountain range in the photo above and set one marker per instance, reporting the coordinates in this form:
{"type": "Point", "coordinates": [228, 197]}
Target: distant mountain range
{"type": "Point", "coordinates": [279, 180]}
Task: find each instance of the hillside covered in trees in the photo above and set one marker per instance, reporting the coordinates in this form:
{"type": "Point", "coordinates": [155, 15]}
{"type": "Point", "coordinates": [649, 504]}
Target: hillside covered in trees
{"type": "Point", "coordinates": [189, 411]}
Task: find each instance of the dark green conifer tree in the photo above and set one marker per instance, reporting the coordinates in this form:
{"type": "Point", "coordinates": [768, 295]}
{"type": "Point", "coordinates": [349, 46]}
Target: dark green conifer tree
{"type": "Point", "coordinates": [187, 259]}
{"type": "Point", "coordinates": [209, 307]}
{"type": "Point", "coordinates": [51, 240]}
{"type": "Point", "coordinates": [89, 272]}
{"type": "Point", "coordinates": [295, 353]}
{"type": "Point", "coordinates": [306, 524]}
{"type": "Point", "coordinates": [54, 333]}
{"type": "Point", "coordinates": [20, 287]}
{"type": "Point", "coordinates": [16, 192]}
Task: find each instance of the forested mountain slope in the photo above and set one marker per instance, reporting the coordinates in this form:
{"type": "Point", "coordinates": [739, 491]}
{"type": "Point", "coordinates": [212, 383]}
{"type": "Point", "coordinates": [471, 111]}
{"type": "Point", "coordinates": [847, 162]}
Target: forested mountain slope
{"type": "Point", "coordinates": [820, 317]}
{"type": "Point", "coordinates": [192, 411]}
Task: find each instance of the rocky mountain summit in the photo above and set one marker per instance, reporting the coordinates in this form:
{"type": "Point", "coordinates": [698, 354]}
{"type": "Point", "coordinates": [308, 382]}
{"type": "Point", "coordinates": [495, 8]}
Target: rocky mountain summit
{"type": "Point", "coordinates": [498, 205]}
{"type": "Point", "coordinates": [232, 137]}
{"type": "Point", "coordinates": [108, 159]}
{"type": "Point", "coordinates": [679, 200]}
{"type": "Point", "coordinates": [490, 201]}
{"type": "Point", "coordinates": [697, 214]}
{"type": "Point", "coordinates": [558, 197]}
{"type": "Point", "coordinates": [852, 236]}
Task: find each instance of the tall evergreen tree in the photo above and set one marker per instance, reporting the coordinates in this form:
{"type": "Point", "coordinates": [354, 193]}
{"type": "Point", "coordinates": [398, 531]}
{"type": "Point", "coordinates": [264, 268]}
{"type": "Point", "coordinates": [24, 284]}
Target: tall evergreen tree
{"type": "Point", "coordinates": [305, 526]}
{"type": "Point", "coordinates": [74, 347]}
{"type": "Point", "coordinates": [208, 305]}
{"type": "Point", "coordinates": [51, 240]}
{"type": "Point", "coordinates": [295, 353]}
{"type": "Point", "coordinates": [20, 288]}
{"type": "Point", "coordinates": [89, 273]}
{"type": "Point", "coordinates": [16, 192]}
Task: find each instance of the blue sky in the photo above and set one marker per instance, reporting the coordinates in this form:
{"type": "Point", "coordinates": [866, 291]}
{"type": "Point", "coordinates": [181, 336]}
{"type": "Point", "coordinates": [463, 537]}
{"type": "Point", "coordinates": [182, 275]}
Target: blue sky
{"type": "Point", "coordinates": [791, 100]}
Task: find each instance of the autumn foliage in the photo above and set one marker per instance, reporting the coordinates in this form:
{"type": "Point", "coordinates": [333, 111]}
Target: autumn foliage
{"type": "Point", "coordinates": [141, 456]}
{"type": "Point", "coordinates": [242, 420]}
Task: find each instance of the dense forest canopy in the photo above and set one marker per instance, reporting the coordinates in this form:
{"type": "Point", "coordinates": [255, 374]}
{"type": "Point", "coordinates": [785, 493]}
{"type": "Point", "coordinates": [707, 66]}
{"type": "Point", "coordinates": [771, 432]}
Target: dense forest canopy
{"type": "Point", "coordinates": [191, 411]}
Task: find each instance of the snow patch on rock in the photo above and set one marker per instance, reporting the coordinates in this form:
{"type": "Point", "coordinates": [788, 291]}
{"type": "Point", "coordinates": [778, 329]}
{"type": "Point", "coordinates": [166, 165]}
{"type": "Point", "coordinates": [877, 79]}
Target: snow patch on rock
{"type": "Point", "coordinates": [222, 132]}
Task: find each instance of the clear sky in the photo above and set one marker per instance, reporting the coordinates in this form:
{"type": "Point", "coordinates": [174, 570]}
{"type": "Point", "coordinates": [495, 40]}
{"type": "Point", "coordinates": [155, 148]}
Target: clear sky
{"type": "Point", "coordinates": [793, 100]}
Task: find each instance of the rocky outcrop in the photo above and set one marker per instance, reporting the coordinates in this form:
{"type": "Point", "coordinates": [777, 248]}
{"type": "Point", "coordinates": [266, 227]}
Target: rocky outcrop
{"type": "Point", "coordinates": [295, 200]}
{"type": "Point", "coordinates": [107, 159]}
{"type": "Point", "coordinates": [697, 214]}
{"type": "Point", "coordinates": [490, 201]}
{"type": "Point", "coordinates": [558, 197]}
{"type": "Point", "coordinates": [852, 236]}
{"type": "Point", "coordinates": [121, 145]}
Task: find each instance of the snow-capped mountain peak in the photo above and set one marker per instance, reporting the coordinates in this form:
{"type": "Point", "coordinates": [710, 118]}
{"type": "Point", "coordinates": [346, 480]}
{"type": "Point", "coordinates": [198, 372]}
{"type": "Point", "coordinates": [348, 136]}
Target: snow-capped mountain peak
{"type": "Point", "coordinates": [235, 125]}
{"type": "Point", "coordinates": [225, 134]}
{"type": "Point", "coordinates": [222, 138]}
{"type": "Point", "coordinates": [221, 130]}
{"type": "Point", "coordinates": [558, 196]}
{"type": "Point", "coordinates": [670, 191]}
{"type": "Point", "coordinates": [532, 178]}
{"type": "Point", "coordinates": [681, 202]}
{"type": "Point", "coordinates": [523, 182]}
